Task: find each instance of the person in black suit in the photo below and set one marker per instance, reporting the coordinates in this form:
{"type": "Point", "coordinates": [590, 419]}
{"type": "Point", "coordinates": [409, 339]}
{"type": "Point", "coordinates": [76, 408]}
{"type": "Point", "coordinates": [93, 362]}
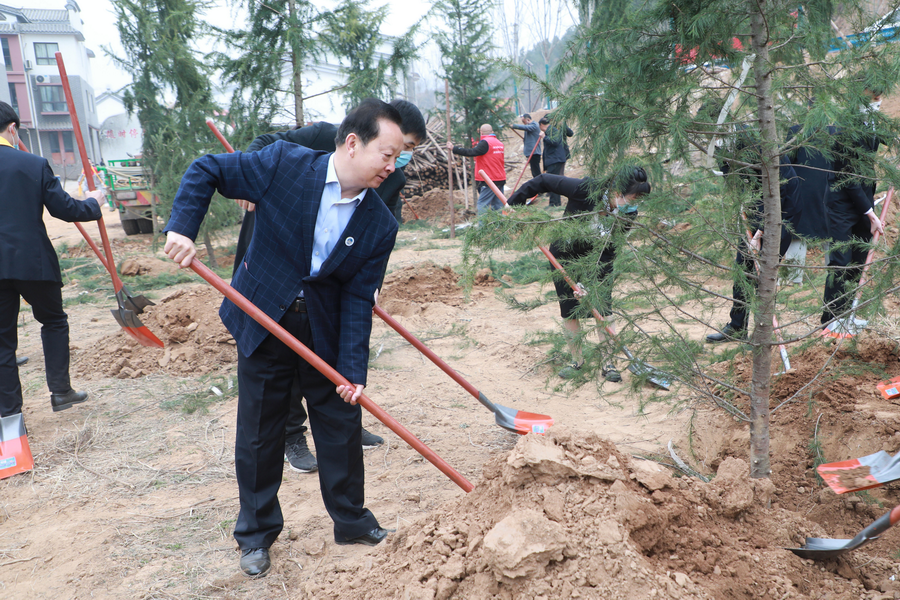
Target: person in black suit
{"type": "Point", "coordinates": [29, 267]}
{"type": "Point", "coordinates": [747, 151]}
{"type": "Point", "coordinates": [321, 136]}
{"type": "Point", "coordinates": [556, 151]}
{"type": "Point", "coordinates": [851, 217]}
{"type": "Point", "coordinates": [321, 238]}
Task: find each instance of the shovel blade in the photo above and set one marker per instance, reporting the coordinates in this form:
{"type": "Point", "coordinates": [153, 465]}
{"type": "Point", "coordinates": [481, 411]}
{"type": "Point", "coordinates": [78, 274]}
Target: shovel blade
{"type": "Point", "coordinates": [653, 375]}
{"type": "Point", "coordinates": [136, 304]}
{"type": "Point", "coordinates": [860, 473]}
{"type": "Point", "coordinates": [845, 328]}
{"type": "Point", "coordinates": [133, 327]}
{"type": "Point", "coordinates": [521, 422]}
{"type": "Point", "coordinates": [823, 548]}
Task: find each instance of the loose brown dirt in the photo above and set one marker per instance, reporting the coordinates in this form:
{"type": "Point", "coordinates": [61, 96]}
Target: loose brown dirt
{"type": "Point", "coordinates": [132, 497]}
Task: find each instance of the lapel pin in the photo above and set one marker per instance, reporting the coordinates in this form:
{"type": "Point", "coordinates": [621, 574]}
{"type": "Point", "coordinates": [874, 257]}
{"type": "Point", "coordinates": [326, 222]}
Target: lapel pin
{"type": "Point", "coordinates": [349, 241]}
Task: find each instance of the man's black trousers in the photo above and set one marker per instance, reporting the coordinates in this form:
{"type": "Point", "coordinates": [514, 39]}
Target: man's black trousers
{"type": "Point", "coordinates": [845, 224]}
{"type": "Point", "coordinates": [535, 163]}
{"type": "Point", "coordinates": [740, 314]}
{"type": "Point", "coordinates": [265, 379]}
{"type": "Point", "coordinates": [45, 298]}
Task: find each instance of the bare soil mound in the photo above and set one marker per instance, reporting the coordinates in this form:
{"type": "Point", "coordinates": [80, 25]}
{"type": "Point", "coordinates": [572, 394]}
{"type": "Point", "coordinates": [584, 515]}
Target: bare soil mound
{"type": "Point", "coordinates": [419, 284]}
{"type": "Point", "coordinates": [433, 206]}
{"type": "Point", "coordinates": [568, 516]}
{"type": "Point", "coordinates": [187, 321]}
{"type": "Point", "coordinates": [146, 265]}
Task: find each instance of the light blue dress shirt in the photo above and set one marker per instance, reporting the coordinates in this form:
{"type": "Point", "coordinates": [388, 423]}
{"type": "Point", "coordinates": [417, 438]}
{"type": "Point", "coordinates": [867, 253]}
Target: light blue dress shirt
{"type": "Point", "coordinates": [334, 214]}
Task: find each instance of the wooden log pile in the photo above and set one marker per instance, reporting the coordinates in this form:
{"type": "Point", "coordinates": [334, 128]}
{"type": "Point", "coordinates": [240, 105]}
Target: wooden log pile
{"type": "Point", "coordinates": [428, 168]}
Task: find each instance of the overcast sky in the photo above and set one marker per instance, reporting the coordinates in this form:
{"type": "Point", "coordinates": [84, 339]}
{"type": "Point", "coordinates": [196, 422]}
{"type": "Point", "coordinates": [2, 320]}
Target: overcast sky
{"type": "Point", "coordinates": [100, 28]}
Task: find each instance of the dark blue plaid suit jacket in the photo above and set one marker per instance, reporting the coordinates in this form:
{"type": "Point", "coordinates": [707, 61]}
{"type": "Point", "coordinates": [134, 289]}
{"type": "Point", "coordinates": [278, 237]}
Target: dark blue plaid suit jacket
{"type": "Point", "coordinates": [286, 182]}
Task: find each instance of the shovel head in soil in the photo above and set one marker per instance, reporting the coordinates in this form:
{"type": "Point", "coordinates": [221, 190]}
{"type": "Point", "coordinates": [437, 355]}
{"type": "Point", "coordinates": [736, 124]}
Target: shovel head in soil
{"type": "Point", "coordinates": [860, 474]}
{"type": "Point", "coordinates": [15, 454]}
{"type": "Point", "coordinates": [658, 378]}
{"type": "Point", "coordinates": [517, 421]}
{"type": "Point", "coordinates": [825, 548]}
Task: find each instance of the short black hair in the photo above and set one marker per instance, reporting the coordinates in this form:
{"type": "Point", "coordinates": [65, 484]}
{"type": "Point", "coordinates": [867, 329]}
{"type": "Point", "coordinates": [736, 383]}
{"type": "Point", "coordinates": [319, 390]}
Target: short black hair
{"type": "Point", "coordinates": [413, 121]}
{"type": "Point", "coordinates": [363, 121]}
{"type": "Point", "coordinates": [526, 116]}
{"type": "Point", "coordinates": [7, 116]}
{"type": "Point", "coordinates": [544, 121]}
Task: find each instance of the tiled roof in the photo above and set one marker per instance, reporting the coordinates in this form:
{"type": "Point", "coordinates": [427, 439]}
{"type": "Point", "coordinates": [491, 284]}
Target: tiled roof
{"type": "Point", "coordinates": [60, 122]}
{"type": "Point", "coordinates": [42, 14]}
{"type": "Point", "coordinates": [41, 28]}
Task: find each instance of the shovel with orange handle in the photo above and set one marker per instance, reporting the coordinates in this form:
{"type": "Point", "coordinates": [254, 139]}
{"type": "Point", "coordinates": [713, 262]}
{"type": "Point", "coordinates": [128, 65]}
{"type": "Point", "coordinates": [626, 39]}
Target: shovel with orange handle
{"type": "Point", "coordinates": [128, 306]}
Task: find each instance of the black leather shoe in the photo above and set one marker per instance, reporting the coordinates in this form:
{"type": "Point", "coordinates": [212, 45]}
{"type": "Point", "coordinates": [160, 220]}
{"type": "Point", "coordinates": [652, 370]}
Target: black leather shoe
{"type": "Point", "coordinates": [728, 334]}
{"type": "Point", "coordinates": [255, 562]}
{"type": "Point", "coordinates": [21, 360]}
{"type": "Point", "coordinates": [63, 401]}
{"type": "Point", "coordinates": [373, 538]}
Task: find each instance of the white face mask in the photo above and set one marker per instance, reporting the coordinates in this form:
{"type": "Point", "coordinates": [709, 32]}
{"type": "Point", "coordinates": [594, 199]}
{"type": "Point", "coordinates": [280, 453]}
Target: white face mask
{"type": "Point", "coordinates": [872, 107]}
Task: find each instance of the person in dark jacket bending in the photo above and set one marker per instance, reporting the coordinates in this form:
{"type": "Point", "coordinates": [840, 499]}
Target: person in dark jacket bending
{"type": "Point", "coordinates": [613, 196]}
{"type": "Point", "coordinates": [321, 136]}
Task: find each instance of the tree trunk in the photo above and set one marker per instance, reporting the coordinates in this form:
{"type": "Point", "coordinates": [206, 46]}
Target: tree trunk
{"type": "Point", "coordinates": [213, 264]}
{"type": "Point", "coordinates": [768, 256]}
{"type": "Point", "coordinates": [296, 66]}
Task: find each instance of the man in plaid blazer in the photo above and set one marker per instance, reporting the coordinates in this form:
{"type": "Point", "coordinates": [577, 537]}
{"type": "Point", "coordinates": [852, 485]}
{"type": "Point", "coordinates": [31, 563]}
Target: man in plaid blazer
{"type": "Point", "coordinates": [322, 237]}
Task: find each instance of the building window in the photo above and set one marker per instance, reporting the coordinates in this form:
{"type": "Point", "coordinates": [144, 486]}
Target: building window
{"type": "Point", "coordinates": [13, 97]}
{"type": "Point", "coordinates": [54, 142]}
{"type": "Point", "coordinates": [52, 99]}
{"type": "Point", "coordinates": [44, 53]}
{"type": "Point", "coordinates": [67, 141]}
{"type": "Point", "coordinates": [7, 57]}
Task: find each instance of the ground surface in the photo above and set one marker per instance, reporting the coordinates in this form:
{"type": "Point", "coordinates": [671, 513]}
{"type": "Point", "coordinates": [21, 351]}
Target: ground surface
{"type": "Point", "coordinates": [133, 493]}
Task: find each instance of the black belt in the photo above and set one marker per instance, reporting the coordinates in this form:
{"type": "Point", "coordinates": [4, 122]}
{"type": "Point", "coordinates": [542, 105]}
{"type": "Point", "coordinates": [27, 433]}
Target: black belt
{"type": "Point", "coordinates": [298, 305]}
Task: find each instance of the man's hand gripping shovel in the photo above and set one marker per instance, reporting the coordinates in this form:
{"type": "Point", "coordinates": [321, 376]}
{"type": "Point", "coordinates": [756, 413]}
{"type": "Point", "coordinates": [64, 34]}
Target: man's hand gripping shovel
{"type": "Point", "coordinates": [128, 306]}
{"type": "Point", "coordinates": [517, 421]}
{"type": "Point", "coordinates": [636, 366]}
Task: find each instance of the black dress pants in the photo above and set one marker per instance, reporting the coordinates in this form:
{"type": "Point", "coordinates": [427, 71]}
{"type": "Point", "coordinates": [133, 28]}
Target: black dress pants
{"type": "Point", "coordinates": [535, 163]}
{"type": "Point", "coordinates": [265, 379]}
{"type": "Point", "coordinates": [740, 312]}
{"type": "Point", "coordinates": [845, 225]}
{"type": "Point", "coordinates": [45, 298]}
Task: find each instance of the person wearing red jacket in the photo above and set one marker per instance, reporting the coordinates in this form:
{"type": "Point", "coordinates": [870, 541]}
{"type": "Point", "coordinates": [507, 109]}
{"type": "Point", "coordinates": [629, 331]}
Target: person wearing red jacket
{"type": "Point", "coordinates": [488, 153]}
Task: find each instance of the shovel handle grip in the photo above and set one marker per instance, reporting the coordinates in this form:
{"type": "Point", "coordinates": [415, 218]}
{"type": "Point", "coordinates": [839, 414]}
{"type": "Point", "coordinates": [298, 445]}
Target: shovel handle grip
{"type": "Point", "coordinates": [320, 365]}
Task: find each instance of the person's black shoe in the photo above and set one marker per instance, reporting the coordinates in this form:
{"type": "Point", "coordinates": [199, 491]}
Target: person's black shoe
{"type": "Point", "coordinates": [728, 334]}
{"type": "Point", "coordinates": [63, 401]}
{"type": "Point", "coordinates": [21, 360]}
{"type": "Point", "coordinates": [610, 374]}
{"type": "Point", "coordinates": [299, 457]}
{"type": "Point", "coordinates": [370, 440]}
{"type": "Point", "coordinates": [373, 538]}
{"type": "Point", "coordinates": [255, 562]}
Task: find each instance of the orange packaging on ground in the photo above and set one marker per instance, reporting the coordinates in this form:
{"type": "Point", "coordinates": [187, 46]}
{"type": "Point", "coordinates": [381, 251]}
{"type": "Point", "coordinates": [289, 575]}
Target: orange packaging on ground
{"type": "Point", "coordinates": [890, 389]}
{"type": "Point", "coordinates": [15, 454]}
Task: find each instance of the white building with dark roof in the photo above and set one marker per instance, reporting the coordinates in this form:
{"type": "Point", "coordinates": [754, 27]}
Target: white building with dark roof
{"type": "Point", "coordinates": [30, 82]}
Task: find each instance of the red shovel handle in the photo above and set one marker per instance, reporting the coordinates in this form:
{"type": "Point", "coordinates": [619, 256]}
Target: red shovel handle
{"type": "Point", "coordinates": [219, 136]}
{"type": "Point", "coordinates": [320, 365]}
{"type": "Point", "coordinates": [85, 163]}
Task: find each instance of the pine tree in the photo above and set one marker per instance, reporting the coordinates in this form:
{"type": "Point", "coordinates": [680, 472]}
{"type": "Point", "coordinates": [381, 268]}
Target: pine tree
{"type": "Point", "coordinates": [352, 33]}
{"type": "Point", "coordinates": [280, 33]}
{"type": "Point", "coordinates": [664, 85]}
{"type": "Point", "coordinates": [171, 96]}
{"type": "Point", "coordinates": [465, 42]}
